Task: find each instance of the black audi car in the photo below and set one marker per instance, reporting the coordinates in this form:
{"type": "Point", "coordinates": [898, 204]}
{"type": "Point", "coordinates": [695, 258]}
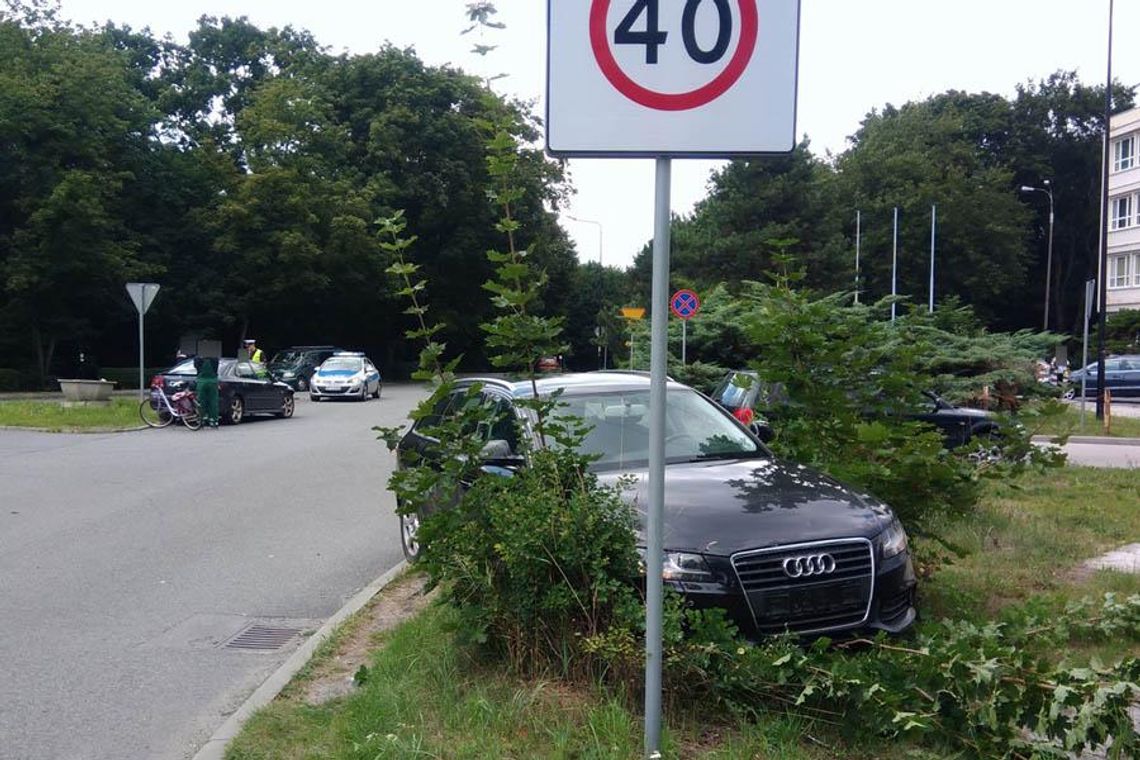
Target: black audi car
{"type": "Point", "coordinates": [244, 389]}
{"type": "Point", "coordinates": [779, 546]}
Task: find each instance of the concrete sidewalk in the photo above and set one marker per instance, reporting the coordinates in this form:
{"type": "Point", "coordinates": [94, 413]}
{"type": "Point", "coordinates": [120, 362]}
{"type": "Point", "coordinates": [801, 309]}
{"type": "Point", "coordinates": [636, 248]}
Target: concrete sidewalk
{"type": "Point", "coordinates": [1097, 439]}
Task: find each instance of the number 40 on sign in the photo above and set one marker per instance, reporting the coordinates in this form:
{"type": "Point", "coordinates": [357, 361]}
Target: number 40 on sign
{"type": "Point", "coordinates": [672, 77]}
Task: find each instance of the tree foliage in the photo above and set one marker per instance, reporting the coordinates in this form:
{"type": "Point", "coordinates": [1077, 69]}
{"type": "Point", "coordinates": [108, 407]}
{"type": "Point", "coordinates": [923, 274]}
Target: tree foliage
{"type": "Point", "coordinates": [243, 171]}
{"type": "Point", "coordinates": [966, 153]}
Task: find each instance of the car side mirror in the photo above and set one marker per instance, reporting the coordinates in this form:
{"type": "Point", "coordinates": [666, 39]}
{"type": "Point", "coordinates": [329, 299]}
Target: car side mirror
{"type": "Point", "coordinates": [762, 430]}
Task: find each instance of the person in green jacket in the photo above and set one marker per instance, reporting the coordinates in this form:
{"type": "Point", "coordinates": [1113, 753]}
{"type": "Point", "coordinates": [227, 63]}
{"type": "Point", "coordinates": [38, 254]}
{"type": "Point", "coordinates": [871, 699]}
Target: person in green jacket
{"type": "Point", "coordinates": [207, 389]}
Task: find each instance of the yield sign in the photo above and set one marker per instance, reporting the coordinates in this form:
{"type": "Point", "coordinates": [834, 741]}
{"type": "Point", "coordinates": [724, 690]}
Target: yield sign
{"type": "Point", "coordinates": [142, 294]}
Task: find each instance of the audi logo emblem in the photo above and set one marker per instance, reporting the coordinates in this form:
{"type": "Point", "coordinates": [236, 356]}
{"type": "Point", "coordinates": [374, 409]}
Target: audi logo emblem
{"type": "Point", "coordinates": [807, 565]}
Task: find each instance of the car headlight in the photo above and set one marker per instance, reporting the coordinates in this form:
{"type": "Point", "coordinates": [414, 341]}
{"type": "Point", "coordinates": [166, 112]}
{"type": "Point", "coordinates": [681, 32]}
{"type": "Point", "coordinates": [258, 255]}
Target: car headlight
{"type": "Point", "coordinates": [288, 373]}
{"type": "Point", "coordinates": [892, 541]}
{"type": "Point", "coordinates": [681, 566]}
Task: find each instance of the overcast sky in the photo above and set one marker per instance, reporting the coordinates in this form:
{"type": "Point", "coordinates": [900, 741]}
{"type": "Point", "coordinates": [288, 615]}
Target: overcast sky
{"type": "Point", "coordinates": [855, 55]}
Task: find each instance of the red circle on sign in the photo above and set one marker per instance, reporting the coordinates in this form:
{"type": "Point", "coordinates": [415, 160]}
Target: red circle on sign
{"type": "Point", "coordinates": [680, 101]}
{"type": "Point", "coordinates": [683, 301]}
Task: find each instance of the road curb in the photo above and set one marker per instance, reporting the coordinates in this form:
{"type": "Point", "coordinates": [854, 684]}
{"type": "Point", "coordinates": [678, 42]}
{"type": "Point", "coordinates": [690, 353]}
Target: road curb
{"type": "Point", "coordinates": [1098, 439]}
{"type": "Point", "coordinates": [215, 748]}
{"type": "Point", "coordinates": [78, 431]}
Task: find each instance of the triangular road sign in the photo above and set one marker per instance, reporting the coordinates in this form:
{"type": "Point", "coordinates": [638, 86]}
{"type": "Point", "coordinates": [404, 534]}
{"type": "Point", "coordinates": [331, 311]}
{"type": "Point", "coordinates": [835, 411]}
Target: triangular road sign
{"type": "Point", "coordinates": [142, 294]}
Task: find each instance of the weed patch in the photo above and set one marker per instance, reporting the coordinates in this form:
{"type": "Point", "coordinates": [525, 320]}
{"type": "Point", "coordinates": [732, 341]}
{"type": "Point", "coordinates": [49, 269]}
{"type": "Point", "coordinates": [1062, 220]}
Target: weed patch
{"type": "Point", "coordinates": [121, 413]}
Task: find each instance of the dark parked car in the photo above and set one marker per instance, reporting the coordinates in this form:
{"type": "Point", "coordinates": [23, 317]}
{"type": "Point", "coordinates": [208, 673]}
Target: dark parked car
{"type": "Point", "coordinates": [744, 395]}
{"type": "Point", "coordinates": [295, 365]}
{"type": "Point", "coordinates": [1121, 377]}
{"type": "Point", "coordinates": [244, 389]}
{"type": "Point", "coordinates": [780, 547]}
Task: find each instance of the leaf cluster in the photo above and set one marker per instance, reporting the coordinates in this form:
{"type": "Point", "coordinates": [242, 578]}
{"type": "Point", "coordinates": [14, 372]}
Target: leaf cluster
{"type": "Point", "coordinates": [992, 690]}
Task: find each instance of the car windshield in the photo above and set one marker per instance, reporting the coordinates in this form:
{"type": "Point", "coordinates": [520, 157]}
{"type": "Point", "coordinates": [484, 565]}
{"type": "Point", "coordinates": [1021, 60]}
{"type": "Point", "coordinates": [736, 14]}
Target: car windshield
{"type": "Point", "coordinates": [338, 363]}
{"type": "Point", "coordinates": [286, 357]}
{"type": "Point", "coordinates": [695, 429]}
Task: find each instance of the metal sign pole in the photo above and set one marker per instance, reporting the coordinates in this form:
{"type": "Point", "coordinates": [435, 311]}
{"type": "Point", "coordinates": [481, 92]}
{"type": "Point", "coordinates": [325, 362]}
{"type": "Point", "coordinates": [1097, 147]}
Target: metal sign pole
{"type": "Point", "coordinates": [684, 340]}
{"type": "Point", "coordinates": [895, 264]}
{"type": "Point", "coordinates": [654, 587]}
{"type": "Point", "coordinates": [933, 221]}
{"type": "Point", "coordinates": [142, 294]}
{"type": "Point", "coordinates": [142, 360]}
{"type": "Point", "coordinates": [1090, 289]}
{"type": "Point", "coordinates": [858, 236]}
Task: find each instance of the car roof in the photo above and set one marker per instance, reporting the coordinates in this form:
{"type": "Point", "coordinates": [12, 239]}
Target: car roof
{"type": "Point", "coordinates": [572, 383]}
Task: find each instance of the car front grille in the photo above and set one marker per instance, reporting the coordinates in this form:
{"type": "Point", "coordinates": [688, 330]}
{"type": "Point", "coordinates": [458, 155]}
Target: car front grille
{"type": "Point", "coordinates": [826, 598]}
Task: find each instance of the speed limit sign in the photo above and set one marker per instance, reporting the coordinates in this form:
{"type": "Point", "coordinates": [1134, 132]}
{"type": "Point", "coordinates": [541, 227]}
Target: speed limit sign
{"type": "Point", "coordinates": [671, 77]}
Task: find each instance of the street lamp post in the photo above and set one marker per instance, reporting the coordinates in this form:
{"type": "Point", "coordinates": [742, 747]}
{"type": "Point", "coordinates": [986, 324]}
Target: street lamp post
{"type": "Point", "coordinates": [1102, 286]}
{"type": "Point", "coordinates": [599, 225]}
{"type": "Point", "coordinates": [1048, 190]}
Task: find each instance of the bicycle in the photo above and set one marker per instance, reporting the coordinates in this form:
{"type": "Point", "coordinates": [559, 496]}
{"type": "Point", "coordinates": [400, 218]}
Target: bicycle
{"type": "Point", "coordinates": [160, 410]}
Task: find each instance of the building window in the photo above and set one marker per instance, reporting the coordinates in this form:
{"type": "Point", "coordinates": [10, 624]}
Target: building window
{"type": "Point", "coordinates": [1122, 212]}
{"type": "Point", "coordinates": [1124, 154]}
{"type": "Point", "coordinates": [1124, 270]}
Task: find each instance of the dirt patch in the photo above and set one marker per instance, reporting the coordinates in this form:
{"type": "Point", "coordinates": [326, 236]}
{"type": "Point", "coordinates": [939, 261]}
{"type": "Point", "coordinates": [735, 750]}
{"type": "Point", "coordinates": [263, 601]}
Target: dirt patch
{"type": "Point", "coordinates": [333, 675]}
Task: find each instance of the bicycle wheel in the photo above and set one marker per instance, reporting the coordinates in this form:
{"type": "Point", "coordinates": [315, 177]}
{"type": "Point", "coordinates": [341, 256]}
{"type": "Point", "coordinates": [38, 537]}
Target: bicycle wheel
{"type": "Point", "coordinates": [154, 413]}
{"type": "Point", "coordinates": [192, 417]}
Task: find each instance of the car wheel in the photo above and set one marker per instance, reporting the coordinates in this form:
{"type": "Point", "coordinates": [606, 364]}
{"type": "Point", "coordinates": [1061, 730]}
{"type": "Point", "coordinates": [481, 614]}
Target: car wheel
{"type": "Point", "coordinates": [302, 384]}
{"type": "Point", "coordinates": [287, 406]}
{"type": "Point", "coordinates": [409, 532]}
{"type": "Point", "coordinates": [377, 393]}
{"type": "Point", "coordinates": [364, 392]}
{"type": "Point", "coordinates": [236, 411]}
{"type": "Point", "coordinates": [1069, 394]}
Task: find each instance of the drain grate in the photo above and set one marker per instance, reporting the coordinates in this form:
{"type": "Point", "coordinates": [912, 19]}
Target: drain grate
{"type": "Point", "coordinates": [262, 637]}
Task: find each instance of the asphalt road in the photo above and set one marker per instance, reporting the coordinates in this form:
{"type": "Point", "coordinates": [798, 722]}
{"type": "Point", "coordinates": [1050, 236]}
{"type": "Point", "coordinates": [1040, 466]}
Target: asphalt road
{"type": "Point", "coordinates": [128, 561]}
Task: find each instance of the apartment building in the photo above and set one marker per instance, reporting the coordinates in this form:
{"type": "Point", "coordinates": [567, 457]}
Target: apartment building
{"type": "Point", "coordinates": [1124, 212]}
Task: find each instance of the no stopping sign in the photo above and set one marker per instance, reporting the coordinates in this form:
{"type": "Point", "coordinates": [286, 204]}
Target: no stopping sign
{"type": "Point", "coordinates": [671, 77]}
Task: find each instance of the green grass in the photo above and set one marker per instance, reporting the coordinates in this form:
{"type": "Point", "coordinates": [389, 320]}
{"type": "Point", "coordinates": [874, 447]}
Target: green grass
{"type": "Point", "coordinates": [1069, 423]}
{"type": "Point", "coordinates": [1028, 540]}
{"type": "Point", "coordinates": [52, 415]}
{"type": "Point", "coordinates": [426, 698]}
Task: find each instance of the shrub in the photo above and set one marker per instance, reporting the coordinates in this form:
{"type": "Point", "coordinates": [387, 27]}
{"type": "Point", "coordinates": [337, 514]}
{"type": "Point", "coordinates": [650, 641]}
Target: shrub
{"type": "Point", "coordinates": [10, 380]}
{"type": "Point", "coordinates": [991, 690]}
{"type": "Point", "coordinates": [851, 382]}
{"type": "Point", "coordinates": [537, 563]}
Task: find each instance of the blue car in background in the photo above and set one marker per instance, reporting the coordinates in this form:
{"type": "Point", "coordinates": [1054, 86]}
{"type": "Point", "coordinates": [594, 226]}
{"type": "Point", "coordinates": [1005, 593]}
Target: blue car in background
{"type": "Point", "coordinates": [1121, 377]}
{"type": "Point", "coordinates": [347, 374]}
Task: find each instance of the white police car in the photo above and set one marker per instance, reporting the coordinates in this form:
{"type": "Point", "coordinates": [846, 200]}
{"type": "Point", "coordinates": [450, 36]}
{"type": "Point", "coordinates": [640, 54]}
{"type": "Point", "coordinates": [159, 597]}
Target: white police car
{"type": "Point", "coordinates": [346, 374]}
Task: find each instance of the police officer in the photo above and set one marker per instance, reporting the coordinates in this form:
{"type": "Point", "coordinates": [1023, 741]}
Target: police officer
{"type": "Point", "coordinates": [255, 354]}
